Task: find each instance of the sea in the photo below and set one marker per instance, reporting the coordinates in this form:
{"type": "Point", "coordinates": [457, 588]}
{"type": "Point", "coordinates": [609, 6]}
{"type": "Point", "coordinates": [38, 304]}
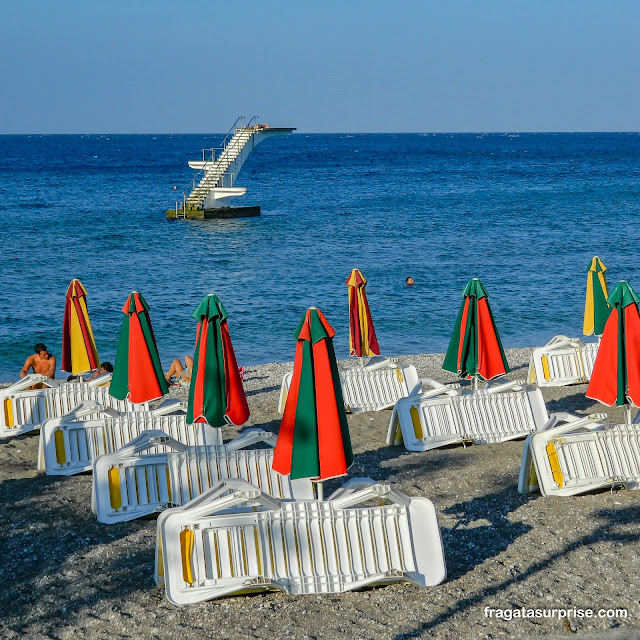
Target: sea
{"type": "Point", "coordinates": [525, 213]}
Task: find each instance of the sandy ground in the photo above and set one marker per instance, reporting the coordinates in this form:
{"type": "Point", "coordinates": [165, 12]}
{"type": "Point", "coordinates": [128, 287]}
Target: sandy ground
{"type": "Point", "coordinates": [64, 575]}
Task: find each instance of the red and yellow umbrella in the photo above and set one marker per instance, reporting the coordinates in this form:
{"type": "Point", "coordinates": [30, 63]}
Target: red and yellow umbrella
{"type": "Point", "coordinates": [79, 352]}
{"type": "Point", "coordinates": [362, 335]}
{"type": "Point", "coordinates": [314, 441]}
{"type": "Point", "coordinates": [616, 373]}
{"type": "Point", "coordinates": [475, 349]}
{"type": "Point", "coordinates": [137, 372]}
{"type": "Point", "coordinates": [216, 394]}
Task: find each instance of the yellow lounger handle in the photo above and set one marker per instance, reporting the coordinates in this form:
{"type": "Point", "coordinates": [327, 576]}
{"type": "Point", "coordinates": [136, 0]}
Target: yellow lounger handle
{"type": "Point", "coordinates": [545, 368]}
{"type": "Point", "coordinates": [58, 438]}
{"type": "Point", "coordinates": [417, 427]}
{"type": "Point", "coordinates": [8, 413]}
{"type": "Point", "coordinates": [115, 493]}
{"type": "Point", "coordinates": [555, 465]}
{"type": "Point", "coordinates": [187, 539]}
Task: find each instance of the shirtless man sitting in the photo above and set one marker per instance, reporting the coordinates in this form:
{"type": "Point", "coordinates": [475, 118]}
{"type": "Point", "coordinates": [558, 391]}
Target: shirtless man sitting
{"type": "Point", "coordinates": [41, 362]}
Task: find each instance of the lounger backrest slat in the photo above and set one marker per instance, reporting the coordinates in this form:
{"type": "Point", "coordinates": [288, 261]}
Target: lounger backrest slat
{"type": "Point", "coordinates": [146, 481]}
{"type": "Point", "coordinates": [313, 549]}
{"type": "Point", "coordinates": [368, 388]}
{"type": "Point", "coordinates": [70, 447]}
{"type": "Point", "coordinates": [197, 470]}
{"type": "Point", "coordinates": [495, 417]}
{"type": "Point", "coordinates": [26, 410]}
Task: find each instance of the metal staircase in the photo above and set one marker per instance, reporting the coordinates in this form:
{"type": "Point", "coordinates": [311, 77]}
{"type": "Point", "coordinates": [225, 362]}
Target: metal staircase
{"type": "Point", "coordinates": [216, 173]}
{"type": "Point", "coordinates": [213, 185]}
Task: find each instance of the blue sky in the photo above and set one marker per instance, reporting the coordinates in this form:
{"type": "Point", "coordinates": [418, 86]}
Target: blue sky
{"type": "Point", "coordinates": [189, 67]}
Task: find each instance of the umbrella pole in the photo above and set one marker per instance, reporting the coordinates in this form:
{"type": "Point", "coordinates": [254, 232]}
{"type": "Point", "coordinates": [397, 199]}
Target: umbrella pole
{"type": "Point", "coordinates": [475, 383]}
{"type": "Point", "coordinates": [319, 491]}
{"type": "Point", "coordinates": [627, 408]}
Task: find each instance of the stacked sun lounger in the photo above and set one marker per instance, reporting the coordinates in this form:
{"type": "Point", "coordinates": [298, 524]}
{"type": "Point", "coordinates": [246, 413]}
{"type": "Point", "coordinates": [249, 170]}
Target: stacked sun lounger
{"type": "Point", "coordinates": [576, 455]}
{"type": "Point", "coordinates": [139, 480]}
{"type": "Point", "coordinates": [374, 387]}
{"type": "Point", "coordinates": [236, 538]}
{"type": "Point", "coordinates": [562, 361]}
{"type": "Point", "coordinates": [445, 415]}
{"type": "Point", "coordinates": [69, 445]}
{"type": "Point", "coordinates": [25, 409]}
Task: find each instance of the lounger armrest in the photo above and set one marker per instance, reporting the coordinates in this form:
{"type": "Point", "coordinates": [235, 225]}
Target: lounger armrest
{"type": "Point", "coordinates": [350, 499]}
{"type": "Point", "coordinates": [375, 363]}
{"type": "Point", "coordinates": [558, 424]}
{"type": "Point", "coordinates": [87, 407]}
{"type": "Point", "coordinates": [249, 437]}
{"type": "Point", "coordinates": [148, 439]}
{"type": "Point", "coordinates": [514, 385]}
{"type": "Point", "coordinates": [169, 406]}
{"type": "Point", "coordinates": [559, 342]}
{"type": "Point", "coordinates": [100, 380]}
{"type": "Point", "coordinates": [29, 381]}
{"type": "Point", "coordinates": [211, 502]}
{"type": "Point", "coordinates": [350, 486]}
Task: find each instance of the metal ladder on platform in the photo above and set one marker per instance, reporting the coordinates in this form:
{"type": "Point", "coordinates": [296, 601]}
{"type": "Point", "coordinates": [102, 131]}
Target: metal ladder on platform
{"type": "Point", "coordinates": [216, 173]}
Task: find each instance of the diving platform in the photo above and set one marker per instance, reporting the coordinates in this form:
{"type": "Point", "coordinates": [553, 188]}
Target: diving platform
{"type": "Point", "coordinates": [213, 187]}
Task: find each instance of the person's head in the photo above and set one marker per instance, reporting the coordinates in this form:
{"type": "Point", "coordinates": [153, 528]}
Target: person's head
{"type": "Point", "coordinates": [41, 350]}
{"type": "Point", "coordinates": [107, 367]}
{"type": "Point", "coordinates": [409, 280]}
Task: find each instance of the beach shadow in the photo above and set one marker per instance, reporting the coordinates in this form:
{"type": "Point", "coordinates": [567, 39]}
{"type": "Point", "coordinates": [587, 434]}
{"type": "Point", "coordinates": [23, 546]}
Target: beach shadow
{"type": "Point", "coordinates": [605, 532]}
{"type": "Point", "coordinates": [263, 390]}
{"type": "Point", "coordinates": [46, 526]}
{"type": "Point", "coordinates": [467, 545]}
{"type": "Point", "coordinates": [576, 402]}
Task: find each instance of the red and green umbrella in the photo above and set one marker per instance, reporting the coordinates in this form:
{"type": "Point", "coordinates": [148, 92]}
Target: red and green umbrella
{"type": "Point", "coordinates": [137, 372]}
{"type": "Point", "coordinates": [79, 352]}
{"type": "Point", "coordinates": [596, 307]}
{"type": "Point", "coordinates": [362, 335]}
{"type": "Point", "coordinates": [475, 349]}
{"type": "Point", "coordinates": [616, 373]}
{"type": "Point", "coordinates": [216, 394]}
{"type": "Point", "coordinates": [314, 437]}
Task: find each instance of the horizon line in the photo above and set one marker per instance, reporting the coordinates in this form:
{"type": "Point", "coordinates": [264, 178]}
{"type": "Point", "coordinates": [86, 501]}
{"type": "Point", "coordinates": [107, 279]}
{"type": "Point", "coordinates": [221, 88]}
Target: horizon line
{"type": "Point", "coordinates": [330, 133]}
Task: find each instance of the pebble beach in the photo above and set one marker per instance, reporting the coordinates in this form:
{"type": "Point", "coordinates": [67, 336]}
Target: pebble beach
{"type": "Point", "coordinates": [64, 575]}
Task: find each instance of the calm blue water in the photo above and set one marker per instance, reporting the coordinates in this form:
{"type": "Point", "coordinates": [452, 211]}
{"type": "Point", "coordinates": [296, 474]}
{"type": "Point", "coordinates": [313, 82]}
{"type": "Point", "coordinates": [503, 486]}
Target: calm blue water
{"type": "Point", "coordinates": [525, 213]}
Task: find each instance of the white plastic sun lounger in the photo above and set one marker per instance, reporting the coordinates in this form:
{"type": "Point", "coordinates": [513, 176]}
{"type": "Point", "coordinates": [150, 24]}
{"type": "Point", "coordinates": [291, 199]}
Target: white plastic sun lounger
{"type": "Point", "coordinates": [237, 539]}
{"type": "Point", "coordinates": [562, 361]}
{"type": "Point", "coordinates": [137, 480]}
{"type": "Point", "coordinates": [371, 388]}
{"type": "Point", "coordinates": [447, 415]}
{"type": "Point", "coordinates": [583, 455]}
{"type": "Point", "coordinates": [24, 410]}
{"type": "Point", "coordinates": [69, 445]}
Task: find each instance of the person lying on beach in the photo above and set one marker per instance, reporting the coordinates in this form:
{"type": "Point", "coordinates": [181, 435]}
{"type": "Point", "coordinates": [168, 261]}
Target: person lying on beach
{"type": "Point", "coordinates": [41, 362]}
{"type": "Point", "coordinates": [105, 367]}
{"type": "Point", "coordinates": [182, 375]}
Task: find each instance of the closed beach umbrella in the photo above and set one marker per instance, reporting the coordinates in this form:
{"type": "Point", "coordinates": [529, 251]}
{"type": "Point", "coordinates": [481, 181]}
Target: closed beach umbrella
{"type": "Point", "coordinates": [79, 352]}
{"type": "Point", "coordinates": [475, 349]}
{"type": "Point", "coordinates": [137, 372]}
{"type": "Point", "coordinates": [362, 335]}
{"type": "Point", "coordinates": [616, 373]}
{"type": "Point", "coordinates": [216, 395]}
{"type": "Point", "coordinates": [596, 308]}
{"type": "Point", "coordinates": [314, 441]}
